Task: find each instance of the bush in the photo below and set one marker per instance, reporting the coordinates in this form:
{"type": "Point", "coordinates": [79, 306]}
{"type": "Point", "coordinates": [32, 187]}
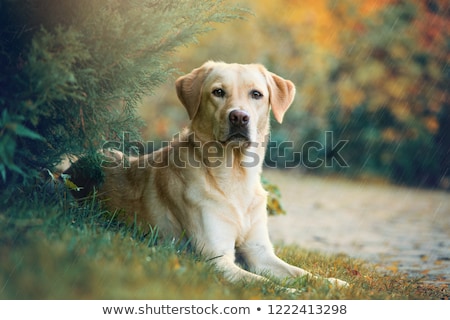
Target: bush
{"type": "Point", "coordinates": [72, 72]}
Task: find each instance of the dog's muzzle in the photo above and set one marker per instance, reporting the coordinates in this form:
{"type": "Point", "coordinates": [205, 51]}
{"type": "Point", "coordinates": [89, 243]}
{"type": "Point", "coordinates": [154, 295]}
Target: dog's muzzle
{"type": "Point", "coordinates": [238, 127]}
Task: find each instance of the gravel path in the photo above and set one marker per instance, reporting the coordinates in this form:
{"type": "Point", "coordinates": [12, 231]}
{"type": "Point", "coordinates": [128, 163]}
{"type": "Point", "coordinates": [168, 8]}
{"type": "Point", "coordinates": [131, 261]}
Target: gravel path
{"type": "Point", "coordinates": [401, 229]}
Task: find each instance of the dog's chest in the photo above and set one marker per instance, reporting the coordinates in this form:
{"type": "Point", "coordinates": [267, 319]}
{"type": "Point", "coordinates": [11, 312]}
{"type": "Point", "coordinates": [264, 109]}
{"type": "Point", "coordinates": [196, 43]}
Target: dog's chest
{"type": "Point", "coordinates": [243, 195]}
{"type": "Point", "coordinates": [223, 200]}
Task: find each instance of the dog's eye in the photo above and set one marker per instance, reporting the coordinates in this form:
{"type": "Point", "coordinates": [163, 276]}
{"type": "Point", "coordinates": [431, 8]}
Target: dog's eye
{"type": "Point", "coordinates": [256, 94]}
{"type": "Point", "coordinates": [219, 93]}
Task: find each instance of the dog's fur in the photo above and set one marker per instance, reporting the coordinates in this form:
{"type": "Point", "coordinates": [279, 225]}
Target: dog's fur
{"type": "Point", "coordinates": [206, 186]}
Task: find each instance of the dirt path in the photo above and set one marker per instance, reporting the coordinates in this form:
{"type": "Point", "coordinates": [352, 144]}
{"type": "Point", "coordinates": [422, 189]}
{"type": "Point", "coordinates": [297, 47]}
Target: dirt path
{"type": "Point", "coordinates": [402, 229]}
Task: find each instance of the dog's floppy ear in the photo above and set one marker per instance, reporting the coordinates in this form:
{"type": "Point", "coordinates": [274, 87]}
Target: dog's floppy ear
{"type": "Point", "coordinates": [189, 89]}
{"type": "Point", "coordinates": [282, 93]}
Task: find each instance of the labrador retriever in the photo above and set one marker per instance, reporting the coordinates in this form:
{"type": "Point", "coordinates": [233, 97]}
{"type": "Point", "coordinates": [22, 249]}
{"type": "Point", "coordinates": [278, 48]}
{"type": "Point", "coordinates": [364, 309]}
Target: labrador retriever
{"type": "Point", "coordinates": [206, 184]}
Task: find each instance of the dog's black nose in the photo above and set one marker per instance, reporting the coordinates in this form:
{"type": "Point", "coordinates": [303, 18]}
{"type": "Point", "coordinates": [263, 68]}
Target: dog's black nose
{"type": "Point", "coordinates": [239, 118]}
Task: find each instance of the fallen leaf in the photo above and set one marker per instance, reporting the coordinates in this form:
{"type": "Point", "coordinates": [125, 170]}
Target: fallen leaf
{"type": "Point", "coordinates": [354, 273]}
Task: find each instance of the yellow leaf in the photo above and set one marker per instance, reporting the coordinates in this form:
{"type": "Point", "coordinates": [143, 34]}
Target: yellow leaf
{"type": "Point", "coordinates": [69, 184]}
{"type": "Point", "coordinates": [174, 263]}
{"type": "Point", "coordinates": [393, 267]}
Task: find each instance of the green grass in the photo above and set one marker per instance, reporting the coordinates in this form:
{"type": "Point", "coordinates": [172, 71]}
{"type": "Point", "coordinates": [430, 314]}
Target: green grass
{"type": "Point", "coordinates": [62, 251]}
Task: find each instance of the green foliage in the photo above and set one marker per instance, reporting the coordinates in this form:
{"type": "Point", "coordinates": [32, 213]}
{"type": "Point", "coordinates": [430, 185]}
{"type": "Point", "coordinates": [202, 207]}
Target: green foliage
{"type": "Point", "coordinates": [274, 206]}
{"type": "Point", "coordinates": [411, 159]}
{"type": "Point", "coordinates": [12, 129]}
{"type": "Point", "coordinates": [73, 72]}
{"type": "Point", "coordinates": [418, 158]}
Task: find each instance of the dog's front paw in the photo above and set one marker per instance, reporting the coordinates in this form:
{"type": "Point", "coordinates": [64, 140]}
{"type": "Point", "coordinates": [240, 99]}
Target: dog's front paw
{"type": "Point", "coordinates": [338, 283]}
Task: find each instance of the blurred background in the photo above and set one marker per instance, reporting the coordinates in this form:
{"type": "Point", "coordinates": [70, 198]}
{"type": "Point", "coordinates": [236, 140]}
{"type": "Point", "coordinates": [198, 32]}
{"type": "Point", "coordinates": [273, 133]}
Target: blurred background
{"type": "Point", "coordinates": [374, 72]}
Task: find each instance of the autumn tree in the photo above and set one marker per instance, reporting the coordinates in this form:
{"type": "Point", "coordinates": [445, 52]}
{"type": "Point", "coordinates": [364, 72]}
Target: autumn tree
{"type": "Point", "coordinates": [391, 94]}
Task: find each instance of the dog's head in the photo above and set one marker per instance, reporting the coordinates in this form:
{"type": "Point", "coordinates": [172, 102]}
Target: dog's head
{"type": "Point", "coordinates": [231, 102]}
